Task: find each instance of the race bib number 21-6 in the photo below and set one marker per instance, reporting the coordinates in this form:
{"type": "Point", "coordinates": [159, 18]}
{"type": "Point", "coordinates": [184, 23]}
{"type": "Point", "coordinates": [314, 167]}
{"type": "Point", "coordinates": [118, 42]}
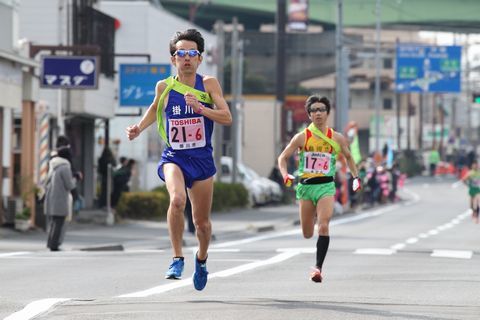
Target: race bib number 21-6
{"type": "Point", "coordinates": [188, 133]}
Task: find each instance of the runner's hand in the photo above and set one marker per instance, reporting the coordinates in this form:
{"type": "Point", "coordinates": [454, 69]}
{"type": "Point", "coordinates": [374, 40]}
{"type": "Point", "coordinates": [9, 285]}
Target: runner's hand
{"type": "Point", "coordinates": [192, 101]}
{"type": "Point", "coordinates": [356, 184]}
{"type": "Point", "coordinates": [288, 180]}
{"type": "Point", "coordinates": [132, 132]}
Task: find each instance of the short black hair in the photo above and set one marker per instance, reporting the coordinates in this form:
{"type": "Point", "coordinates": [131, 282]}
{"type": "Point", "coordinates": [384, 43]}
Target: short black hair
{"type": "Point", "coordinates": [62, 141]}
{"type": "Point", "coordinates": [314, 99]}
{"type": "Point", "coordinates": [190, 35]}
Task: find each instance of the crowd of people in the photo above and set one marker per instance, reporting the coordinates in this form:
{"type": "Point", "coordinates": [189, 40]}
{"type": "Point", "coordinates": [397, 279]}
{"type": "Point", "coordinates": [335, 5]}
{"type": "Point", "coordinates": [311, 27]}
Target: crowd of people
{"type": "Point", "coordinates": [380, 185]}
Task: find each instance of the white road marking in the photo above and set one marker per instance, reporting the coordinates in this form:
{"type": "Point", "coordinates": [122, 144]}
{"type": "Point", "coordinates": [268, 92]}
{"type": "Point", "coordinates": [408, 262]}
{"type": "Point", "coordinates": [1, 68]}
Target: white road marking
{"type": "Point", "coordinates": [375, 251]}
{"type": "Point", "coordinates": [225, 273]}
{"type": "Point", "coordinates": [398, 246]}
{"type": "Point", "coordinates": [300, 250]}
{"type": "Point", "coordinates": [457, 184]}
{"type": "Point", "coordinates": [12, 254]}
{"type": "Point", "coordinates": [195, 249]}
{"type": "Point", "coordinates": [35, 308]}
{"type": "Point", "coordinates": [412, 240]}
{"type": "Point", "coordinates": [457, 254]}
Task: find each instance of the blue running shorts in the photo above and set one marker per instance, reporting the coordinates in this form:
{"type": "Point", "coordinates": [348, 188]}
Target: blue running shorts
{"type": "Point", "coordinates": [194, 169]}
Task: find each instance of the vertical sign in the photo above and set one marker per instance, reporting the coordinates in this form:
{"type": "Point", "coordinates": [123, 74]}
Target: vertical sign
{"type": "Point", "coordinates": [298, 15]}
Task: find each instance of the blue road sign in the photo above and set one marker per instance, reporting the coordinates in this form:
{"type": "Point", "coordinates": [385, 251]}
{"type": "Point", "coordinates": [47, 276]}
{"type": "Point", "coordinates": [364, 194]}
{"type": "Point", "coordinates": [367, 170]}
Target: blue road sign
{"type": "Point", "coordinates": [428, 68]}
{"type": "Point", "coordinates": [137, 83]}
{"type": "Point", "coordinates": [73, 72]}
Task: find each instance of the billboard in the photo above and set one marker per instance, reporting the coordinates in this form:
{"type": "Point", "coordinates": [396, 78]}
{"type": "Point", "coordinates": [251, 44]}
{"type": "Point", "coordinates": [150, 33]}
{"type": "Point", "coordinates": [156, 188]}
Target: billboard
{"type": "Point", "coordinates": [69, 72]}
{"type": "Point", "coordinates": [428, 68]}
{"type": "Point", "coordinates": [138, 81]}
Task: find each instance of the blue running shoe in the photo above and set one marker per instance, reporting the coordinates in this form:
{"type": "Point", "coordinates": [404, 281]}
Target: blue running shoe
{"type": "Point", "coordinates": [200, 276]}
{"type": "Point", "coordinates": [175, 270]}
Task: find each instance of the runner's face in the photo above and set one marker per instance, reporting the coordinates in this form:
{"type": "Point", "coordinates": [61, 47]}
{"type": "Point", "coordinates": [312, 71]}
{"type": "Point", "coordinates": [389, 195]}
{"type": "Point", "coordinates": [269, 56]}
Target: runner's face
{"type": "Point", "coordinates": [186, 64]}
{"type": "Point", "coordinates": [318, 112]}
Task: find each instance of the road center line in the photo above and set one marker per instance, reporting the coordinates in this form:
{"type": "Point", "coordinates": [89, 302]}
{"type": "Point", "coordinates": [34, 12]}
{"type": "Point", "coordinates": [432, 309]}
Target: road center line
{"type": "Point", "coordinates": [35, 308]}
{"type": "Point", "coordinates": [12, 254]}
{"type": "Point", "coordinates": [222, 274]}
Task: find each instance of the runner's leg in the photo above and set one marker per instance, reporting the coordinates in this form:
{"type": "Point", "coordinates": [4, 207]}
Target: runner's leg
{"type": "Point", "coordinates": [307, 218]}
{"type": "Point", "coordinates": [201, 195]}
{"type": "Point", "coordinates": [175, 183]}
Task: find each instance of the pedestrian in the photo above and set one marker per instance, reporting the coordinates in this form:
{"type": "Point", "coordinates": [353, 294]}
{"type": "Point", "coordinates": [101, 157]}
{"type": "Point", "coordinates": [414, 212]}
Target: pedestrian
{"type": "Point", "coordinates": [191, 104]}
{"type": "Point", "coordinates": [121, 179]}
{"type": "Point", "coordinates": [433, 160]}
{"type": "Point", "coordinates": [105, 159]}
{"type": "Point", "coordinates": [58, 197]}
{"type": "Point", "coordinates": [472, 179]}
{"type": "Point", "coordinates": [318, 147]}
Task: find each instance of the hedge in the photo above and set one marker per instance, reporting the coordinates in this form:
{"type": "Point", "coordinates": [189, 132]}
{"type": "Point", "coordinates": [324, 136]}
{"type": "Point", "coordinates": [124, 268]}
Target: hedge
{"type": "Point", "coordinates": [154, 204]}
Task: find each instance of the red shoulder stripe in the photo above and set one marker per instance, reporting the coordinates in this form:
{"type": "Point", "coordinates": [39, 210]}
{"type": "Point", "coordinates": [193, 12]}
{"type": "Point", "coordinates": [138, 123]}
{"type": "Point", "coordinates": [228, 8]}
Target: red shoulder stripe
{"type": "Point", "coordinates": [308, 135]}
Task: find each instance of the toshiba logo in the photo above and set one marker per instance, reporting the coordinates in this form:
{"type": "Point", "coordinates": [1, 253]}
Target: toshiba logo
{"type": "Point", "coordinates": [183, 122]}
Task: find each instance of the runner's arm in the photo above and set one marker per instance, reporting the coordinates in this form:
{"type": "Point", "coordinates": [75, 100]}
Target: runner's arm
{"type": "Point", "coordinates": [220, 113]}
{"type": "Point", "coordinates": [150, 116]}
{"type": "Point", "coordinates": [294, 144]}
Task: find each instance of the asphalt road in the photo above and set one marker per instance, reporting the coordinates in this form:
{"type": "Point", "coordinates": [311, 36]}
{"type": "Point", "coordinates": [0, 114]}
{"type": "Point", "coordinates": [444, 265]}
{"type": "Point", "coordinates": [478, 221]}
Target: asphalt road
{"type": "Point", "coordinates": [418, 259]}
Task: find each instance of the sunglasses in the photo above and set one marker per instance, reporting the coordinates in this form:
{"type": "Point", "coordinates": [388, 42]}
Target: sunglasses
{"type": "Point", "coordinates": [182, 53]}
{"type": "Point", "coordinates": [317, 110]}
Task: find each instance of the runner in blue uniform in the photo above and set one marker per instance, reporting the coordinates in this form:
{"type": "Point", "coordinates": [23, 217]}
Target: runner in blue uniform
{"type": "Point", "coordinates": [185, 108]}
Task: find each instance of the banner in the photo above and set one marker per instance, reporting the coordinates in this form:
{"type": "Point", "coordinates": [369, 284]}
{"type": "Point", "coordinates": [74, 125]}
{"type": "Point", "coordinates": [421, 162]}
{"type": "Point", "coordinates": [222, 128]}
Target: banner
{"type": "Point", "coordinates": [298, 15]}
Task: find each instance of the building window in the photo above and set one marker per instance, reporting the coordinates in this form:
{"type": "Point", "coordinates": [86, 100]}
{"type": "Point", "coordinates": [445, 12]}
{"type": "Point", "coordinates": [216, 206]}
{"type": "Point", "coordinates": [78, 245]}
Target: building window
{"type": "Point", "coordinates": [387, 104]}
{"type": "Point", "coordinates": [387, 63]}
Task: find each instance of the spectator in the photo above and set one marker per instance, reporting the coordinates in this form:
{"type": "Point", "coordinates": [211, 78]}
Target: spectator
{"type": "Point", "coordinates": [121, 178]}
{"type": "Point", "coordinates": [433, 160]}
{"type": "Point", "coordinates": [58, 198]}
{"type": "Point", "coordinates": [105, 159]}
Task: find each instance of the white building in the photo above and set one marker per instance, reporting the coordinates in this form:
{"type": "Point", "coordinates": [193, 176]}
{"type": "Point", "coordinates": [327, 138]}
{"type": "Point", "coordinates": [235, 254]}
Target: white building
{"type": "Point", "coordinates": [145, 28]}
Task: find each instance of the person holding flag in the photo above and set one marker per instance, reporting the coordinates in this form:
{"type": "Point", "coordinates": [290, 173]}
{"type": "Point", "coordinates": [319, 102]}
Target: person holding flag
{"type": "Point", "coordinates": [190, 103]}
{"type": "Point", "coordinates": [318, 147]}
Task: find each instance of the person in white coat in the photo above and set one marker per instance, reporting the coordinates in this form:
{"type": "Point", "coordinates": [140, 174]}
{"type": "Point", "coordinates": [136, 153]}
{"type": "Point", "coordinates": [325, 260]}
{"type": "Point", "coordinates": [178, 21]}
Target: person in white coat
{"type": "Point", "coordinates": [58, 197]}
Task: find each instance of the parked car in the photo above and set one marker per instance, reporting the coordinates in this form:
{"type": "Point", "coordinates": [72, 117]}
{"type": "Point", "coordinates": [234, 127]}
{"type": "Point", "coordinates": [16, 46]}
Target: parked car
{"type": "Point", "coordinates": [259, 193]}
{"type": "Point", "coordinates": [274, 188]}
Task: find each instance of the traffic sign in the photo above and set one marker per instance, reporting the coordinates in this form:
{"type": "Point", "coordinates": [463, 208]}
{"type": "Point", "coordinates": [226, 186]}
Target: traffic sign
{"type": "Point", "coordinates": [138, 81]}
{"type": "Point", "coordinates": [428, 68]}
{"type": "Point", "coordinates": [69, 72]}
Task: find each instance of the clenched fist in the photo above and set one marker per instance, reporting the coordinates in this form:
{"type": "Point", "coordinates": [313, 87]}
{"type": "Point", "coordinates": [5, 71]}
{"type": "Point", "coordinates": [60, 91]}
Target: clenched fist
{"type": "Point", "coordinates": [132, 132]}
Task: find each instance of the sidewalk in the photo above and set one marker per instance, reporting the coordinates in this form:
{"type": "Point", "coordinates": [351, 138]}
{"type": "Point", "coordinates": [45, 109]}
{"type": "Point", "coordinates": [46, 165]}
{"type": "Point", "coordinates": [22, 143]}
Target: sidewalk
{"type": "Point", "coordinates": [89, 231]}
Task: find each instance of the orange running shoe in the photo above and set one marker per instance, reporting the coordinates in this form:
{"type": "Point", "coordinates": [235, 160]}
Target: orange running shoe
{"type": "Point", "coordinates": [316, 275]}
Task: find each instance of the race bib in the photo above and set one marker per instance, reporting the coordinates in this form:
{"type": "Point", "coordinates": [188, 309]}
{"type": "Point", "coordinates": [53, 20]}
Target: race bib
{"type": "Point", "coordinates": [188, 133]}
{"type": "Point", "coordinates": [317, 162]}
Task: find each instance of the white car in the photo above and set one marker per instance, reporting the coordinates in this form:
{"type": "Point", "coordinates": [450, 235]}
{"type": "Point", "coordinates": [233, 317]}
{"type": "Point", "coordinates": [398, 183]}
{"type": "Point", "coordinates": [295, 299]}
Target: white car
{"type": "Point", "coordinates": [274, 189]}
{"type": "Point", "coordinates": [257, 191]}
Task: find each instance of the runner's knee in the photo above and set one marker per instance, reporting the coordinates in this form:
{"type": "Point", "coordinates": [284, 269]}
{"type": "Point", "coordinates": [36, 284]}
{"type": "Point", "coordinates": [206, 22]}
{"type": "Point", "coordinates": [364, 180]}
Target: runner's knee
{"type": "Point", "coordinates": [178, 201]}
{"type": "Point", "coordinates": [323, 228]}
{"type": "Point", "coordinates": [203, 226]}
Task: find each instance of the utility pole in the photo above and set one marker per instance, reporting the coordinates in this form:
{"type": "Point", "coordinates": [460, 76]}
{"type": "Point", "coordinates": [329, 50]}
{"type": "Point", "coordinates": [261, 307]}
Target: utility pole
{"type": "Point", "coordinates": [468, 91]}
{"type": "Point", "coordinates": [280, 51]}
{"type": "Point", "coordinates": [341, 81]}
{"type": "Point", "coordinates": [235, 98]}
{"type": "Point", "coordinates": [377, 77]}
{"type": "Point", "coordinates": [398, 104]}
{"type": "Point", "coordinates": [220, 58]}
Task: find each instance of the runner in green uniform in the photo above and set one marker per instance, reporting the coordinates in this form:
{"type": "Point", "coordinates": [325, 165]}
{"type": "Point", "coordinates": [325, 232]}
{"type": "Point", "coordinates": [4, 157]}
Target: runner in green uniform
{"type": "Point", "coordinates": [318, 148]}
{"type": "Point", "coordinates": [472, 179]}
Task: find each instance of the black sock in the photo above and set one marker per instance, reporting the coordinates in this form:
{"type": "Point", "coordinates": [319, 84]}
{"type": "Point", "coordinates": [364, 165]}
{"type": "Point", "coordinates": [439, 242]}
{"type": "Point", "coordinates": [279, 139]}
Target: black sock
{"type": "Point", "coordinates": [178, 258]}
{"type": "Point", "coordinates": [201, 261]}
{"type": "Point", "coordinates": [322, 248]}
